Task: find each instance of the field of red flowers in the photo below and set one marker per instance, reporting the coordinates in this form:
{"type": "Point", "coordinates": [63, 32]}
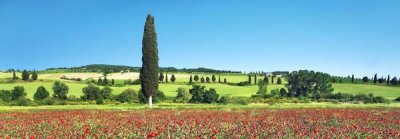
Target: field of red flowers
{"type": "Point", "coordinates": [255, 123]}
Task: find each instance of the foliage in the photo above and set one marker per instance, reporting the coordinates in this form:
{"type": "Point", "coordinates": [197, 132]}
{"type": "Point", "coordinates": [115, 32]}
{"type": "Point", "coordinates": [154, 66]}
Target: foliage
{"type": "Point", "coordinates": [213, 79]}
{"type": "Point", "coordinates": [279, 81]}
{"type": "Point", "coordinates": [25, 75]}
{"type": "Point", "coordinates": [18, 92]}
{"type": "Point", "coordinates": [149, 71]}
{"type": "Point", "coordinates": [196, 77]}
{"type": "Point", "coordinates": [182, 96]}
{"type": "Point", "coordinates": [365, 79]}
{"type": "Point", "coordinates": [309, 84]}
{"type": "Point", "coordinates": [208, 79]}
{"type": "Point", "coordinates": [34, 75]}
{"type": "Point", "coordinates": [6, 95]}
{"type": "Point", "coordinates": [173, 79]}
{"type": "Point", "coordinates": [60, 90]}
{"type": "Point", "coordinates": [161, 77]}
{"type": "Point", "coordinates": [202, 95]}
{"type": "Point", "coordinates": [41, 93]}
{"type": "Point", "coordinates": [128, 96]}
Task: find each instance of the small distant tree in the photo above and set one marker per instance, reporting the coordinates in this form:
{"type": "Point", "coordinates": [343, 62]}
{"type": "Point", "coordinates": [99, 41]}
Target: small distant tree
{"type": "Point", "coordinates": [381, 80]}
{"type": "Point", "coordinates": [249, 79]}
{"type": "Point", "coordinates": [279, 81]}
{"type": "Point", "coordinates": [255, 79]}
{"type": "Point", "coordinates": [283, 92]}
{"type": "Point", "coordinates": [18, 92]}
{"type": "Point", "coordinates": [34, 75]}
{"type": "Point", "coordinates": [262, 88]}
{"type": "Point", "coordinates": [112, 82]}
{"type": "Point", "coordinates": [91, 92]}
{"type": "Point", "coordinates": [388, 80]}
{"type": "Point", "coordinates": [25, 75]}
{"type": "Point", "coordinates": [99, 81]}
{"type": "Point", "coordinates": [166, 78]}
{"type": "Point", "coordinates": [272, 79]}
{"type": "Point", "coordinates": [352, 78]}
{"type": "Point", "coordinates": [207, 79]}
{"type": "Point", "coordinates": [375, 78]}
{"type": "Point", "coordinates": [202, 79]}
{"type": "Point", "coordinates": [60, 90]}
{"type": "Point", "coordinates": [105, 81]}
{"type": "Point", "coordinates": [213, 78]}
{"type": "Point", "coordinates": [224, 80]}
{"type": "Point", "coordinates": [190, 79]}
{"type": "Point", "coordinates": [219, 78]}
{"type": "Point", "coordinates": [173, 78]}
{"type": "Point", "coordinates": [41, 93]}
{"type": "Point", "coordinates": [333, 79]}
{"type": "Point", "coordinates": [266, 80]}
{"type": "Point", "coordinates": [196, 78]}
{"type": "Point", "coordinates": [340, 81]}
{"type": "Point", "coordinates": [14, 75]}
{"type": "Point", "coordinates": [394, 81]}
{"type": "Point", "coordinates": [161, 77]}
{"type": "Point", "coordinates": [365, 79]}
{"type": "Point", "coordinates": [106, 93]}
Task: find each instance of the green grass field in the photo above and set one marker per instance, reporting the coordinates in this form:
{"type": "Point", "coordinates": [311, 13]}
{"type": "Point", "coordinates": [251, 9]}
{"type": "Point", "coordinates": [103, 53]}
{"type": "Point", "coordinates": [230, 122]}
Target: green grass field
{"type": "Point", "coordinates": [170, 88]}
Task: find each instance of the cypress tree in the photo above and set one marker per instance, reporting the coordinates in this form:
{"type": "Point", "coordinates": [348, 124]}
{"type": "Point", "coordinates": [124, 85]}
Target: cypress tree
{"type": "Point", "coordinates": [375, 78]}
{"type": "Point", "coordinates": [14, 75]}
{"type": "Point", "coordinates": [352, 78]}
{"type": "Point", "coordinates": [161, 77]}
{"type": "Point", "coordinates": [150, 69]}
{"type": "Point", "coordinates": [190, 79]}
{"type": "Point", "coordinates": [388, 80]}
{"type": "Point", "coordinates": [25, 75]}
{"type": "Point", "coordinates": [112, 82]}
{"type": "Point", "coordinates": [196, 77]}
{"type": "Point", "coordinates": [272, 80]}
{"type": "Point", "coordinates": [99, 81]}
{"type": "Point", "coordinates": [105, 81]}
{"type": "Point", "coordinates": [34, 75]}
{"type": "Point", "coordinates": [266, 80]}
{"type": "Point", "coordinates": [249, 79]}
{"type": "Point", "coordinates": [173, 78]}
{"type": "Point", "coordinates": [255, 79]}
{"type": "Point", "coordinates": [213, 78]}
{"type": "Point", "coordinates": [202, 79]}
{"type": "Point", "coordinates": [219, 78]}
{"type": "Point", "coordinates": [166, 78]}
{"type": "Point", "coordinates": [224, 80]}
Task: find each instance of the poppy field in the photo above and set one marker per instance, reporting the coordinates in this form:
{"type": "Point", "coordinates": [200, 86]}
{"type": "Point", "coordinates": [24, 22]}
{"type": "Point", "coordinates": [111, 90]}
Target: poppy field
{"type": "Point", "coordinates": [245, 123]}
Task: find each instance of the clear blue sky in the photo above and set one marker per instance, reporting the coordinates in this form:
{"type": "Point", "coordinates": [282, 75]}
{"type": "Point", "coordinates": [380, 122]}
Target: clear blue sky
{"type": "Point", "coordinates": [340, 37]}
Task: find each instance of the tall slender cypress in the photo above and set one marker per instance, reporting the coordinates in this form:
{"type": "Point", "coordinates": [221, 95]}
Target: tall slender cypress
{"type": "Point", "coordinates": [388, 80]}
{"type": "Point", "coordinates": [149, 71]}
{"type": "Point", "coordinates": [249, 79]}
{"type": "Point", "coordinates": [255, 79]}
{"type": "Point", "coordinates": [375, 78]}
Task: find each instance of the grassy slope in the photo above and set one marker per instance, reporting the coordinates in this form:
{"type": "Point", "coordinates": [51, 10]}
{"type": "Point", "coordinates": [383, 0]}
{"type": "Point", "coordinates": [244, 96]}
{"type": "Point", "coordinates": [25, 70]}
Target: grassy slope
{"type": "Point", "coordinates": [224, 90]}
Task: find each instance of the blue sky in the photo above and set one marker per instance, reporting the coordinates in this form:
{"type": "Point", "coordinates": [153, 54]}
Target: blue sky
{"type": "Point", "coordinates": [339, 37]}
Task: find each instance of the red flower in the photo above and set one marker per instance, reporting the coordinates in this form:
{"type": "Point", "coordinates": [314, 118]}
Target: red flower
{"type": "Point", "coordinates": [152, 134]}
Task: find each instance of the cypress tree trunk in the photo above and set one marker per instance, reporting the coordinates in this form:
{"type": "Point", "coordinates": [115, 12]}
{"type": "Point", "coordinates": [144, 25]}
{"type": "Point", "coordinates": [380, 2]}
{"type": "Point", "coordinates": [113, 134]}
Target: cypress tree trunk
{"type": "Point", "coordinates": [149, 71]}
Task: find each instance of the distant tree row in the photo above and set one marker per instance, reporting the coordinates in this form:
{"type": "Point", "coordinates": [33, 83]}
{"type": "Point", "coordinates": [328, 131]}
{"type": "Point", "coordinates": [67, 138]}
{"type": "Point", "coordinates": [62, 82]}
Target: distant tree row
{"type": "Point", "coordinates": [375, 80]}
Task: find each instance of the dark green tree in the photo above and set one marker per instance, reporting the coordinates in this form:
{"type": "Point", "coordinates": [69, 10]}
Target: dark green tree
{"type": "Point", "coordinates": [166, 78]}
{"type": "Point", "coordinates": [249, 79]}
{"type": "Point", "coordinates": [283, 92]}
{"type": "Point", "coordinates": [219, 78]}
{"type": "Point", "coordinates": [173, 78]}
{"type": "Point", "coordinates": [266, 80]}
{"type": "Point", "coordinates": [279, 81]}
{"type": "Point", "coordinates": [106, 93]}
{"type": "Point", "coordinates": [213, 79]}
{"type": "Point", "coordinates": [91, 92]}
{"type": "Point", "coordinates": [161, 77]}
{"type": "Point", "coordinates": [18, 92]}
{"type": "Point", "coordinates": [388, 80]}
{"type": "Point", "coordinates": [272, 79]}
{"type": "Point", "coordinates": [255, 79]}
{"type": "Point", "coordinates": [190, 79]}
{"type": "Point", "coordinates": [60, 90]}
{"type": "Point", "coordinates": [207, 79]}
{"type": "Point", "coordinates": [224, 80]}
{"type": "Point", "coordinates": [6, 95]}
{"type": "Point", "coordinates": [375, 78]}
{"type": "Point", "coordinates": [99, 81]}
{"type": "Point", "coordinates": [309, 84]}
{"type": "Point", "coordinates": [365, 79]}
{"type": "Point", "coordinates": [41, 93]}
{"type": "Point", "coordinates": [14, 75]}
{"type": "Point", "coordinates": [394, 81]}
{"type": "Point", "coordinates": [150, 69]}
{"type": "Point", "coordinates": [112, 82]}
{"type": "Point", "coordinates": [25, 75]}
{"type": "Point", "coordinates": [202, 79]}
{"type": "Point", "coordinates": [352, 78]}
{"type": "Point", "coordinates": [105, 81]}
{"type": "Point", "coordinates": [34, 75]}
{"type": "Point", "coordinates": [196, 78]}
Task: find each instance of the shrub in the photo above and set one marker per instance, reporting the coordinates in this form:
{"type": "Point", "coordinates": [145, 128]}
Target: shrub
{"type": "Point", "coordinates": [183, 96]}
{"type": "Point", "coordinates": [128, 95]}
{"type": "Point", "coordinates": [159, 97]}
{"type": "Point", "coordinates": [91, 92]}
{"type": "Point", "coordinates": [18, 92]}
{"type": "Point", "coordinates": [60, 90]}
{"type": "Point", "coordinates": [25, 75]}
{"type": "Point", "coordinates": [223, 100]}
{"type": "Point", "coordinates": [106, 92]}
{"type": "Point", "coordinates": [132, 82]}
{"type": "Point", "coordinates": [72, 98]}
{"type": "Point", "coordinates": [34, 76]}
{"type": "Point", "coordinates": [173, 79]}
{"type": "Point", "coordinates": [21, 102]}
{"type": "Point", "coordinates": [100, 101]}
{"type": "Point", "coordinates": [41, 93]}
{"type": "Point", "coordinates": [397, 99]}
{"type": "Point", "coordinates": [201, 95]}
{"type": "Point", "coordinates": [5, 95]}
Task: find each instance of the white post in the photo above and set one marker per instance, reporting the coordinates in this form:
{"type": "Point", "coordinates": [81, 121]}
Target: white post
{"type": "Point", "coordinates": [150, 102]}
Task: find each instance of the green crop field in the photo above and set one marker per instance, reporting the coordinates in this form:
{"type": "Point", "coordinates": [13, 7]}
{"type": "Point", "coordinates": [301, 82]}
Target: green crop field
{"type": "Point", "coordinates": [182, 78]}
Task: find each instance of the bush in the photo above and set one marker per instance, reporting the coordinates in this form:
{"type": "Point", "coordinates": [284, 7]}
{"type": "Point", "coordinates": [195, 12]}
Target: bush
{"type": "Point", "coordinates": [159, 97]}
{"type": "Point", "coordinates": [397, 99]}
{"type": "Point", "coordinates": [201, 95]}
{"type": "Point", "coordinates": [60, 90]}
{"type": "Point", "coordinates": [91, 92]}
{"type": "Point", "coordinates": [5, 95]}
{"type": "Point", "coordinates": [41, 93]}
{"type": "Point", "coordinates": [245, 83]}
{"type": "Point", "coordinates": [72, 98]}
{"type": "Point", "coordinates": [183, 96]}
{"type": "Point", "coordinates": [18, 92]}
{"type": "Point", "coordinates": [106, 93]}
{"type": "Point", "coordinates": [22, 102]}
{"type": "Point", "coordinates": [132, 82]}
{"type": "Point", "coordinates": [99, 101]}
{"type": "Point", "coordinates": [223, 100]}
{"type": "Point", "coordinates": [128, 96]}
